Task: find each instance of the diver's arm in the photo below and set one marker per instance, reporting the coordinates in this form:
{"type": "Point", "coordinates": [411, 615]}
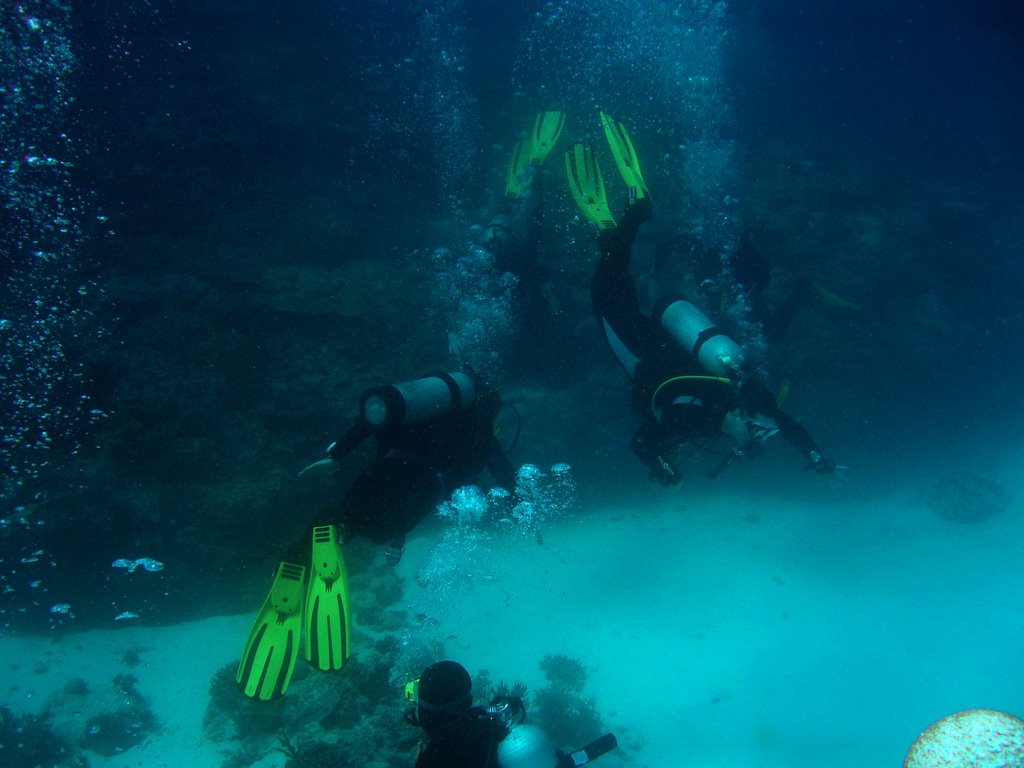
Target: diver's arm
{"type": "Point", "coordinates": [801, 439]}
{"type": "Point", "coordinates": [355, 435]}
{"type": "Point", "coordinates": [648, 444]}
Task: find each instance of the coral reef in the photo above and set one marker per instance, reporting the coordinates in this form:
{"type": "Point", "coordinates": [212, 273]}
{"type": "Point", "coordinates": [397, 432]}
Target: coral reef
{"type": "Point", "coordinates": [76, 686]}
{"type": "Point", "coordinates": [231, 715]}
{"type": "Point", "coordinates": [317, 754]}
{"type": "Point", "coordinates": [242, 758]}
{"type": "Point", "coordinates": [27, 741]}
{"type": "Point", "coordinates": [344, 719]}
{"type": "Point", "coordinates": [965, 497]}
{"type": "Point", "coordinates": [484, 690]}
{"type": "Point", "coordinates": [561, 709]}
{"type": "Point", "coordinates": [109, 733]}
{"type": "Point", "coordinates": [105, 719]}
{"type": "Point", "coordinates": [564, 671]}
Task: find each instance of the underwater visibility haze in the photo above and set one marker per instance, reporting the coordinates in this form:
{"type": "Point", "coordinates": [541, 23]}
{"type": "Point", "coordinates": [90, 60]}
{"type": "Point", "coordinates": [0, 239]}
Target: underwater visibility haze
{"type": "Point", "coordinates": [225, 222]}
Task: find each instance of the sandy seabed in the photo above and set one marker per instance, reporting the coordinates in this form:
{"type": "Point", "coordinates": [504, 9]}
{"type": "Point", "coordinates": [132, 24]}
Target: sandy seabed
{"type": "Point", "coordinates": [717, 631]}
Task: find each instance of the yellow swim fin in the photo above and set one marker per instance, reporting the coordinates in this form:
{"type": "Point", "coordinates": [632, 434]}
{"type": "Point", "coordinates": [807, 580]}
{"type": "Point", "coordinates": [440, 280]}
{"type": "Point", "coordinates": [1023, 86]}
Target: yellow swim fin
{"type": "Point", "coordinates": [268, 660]}
{"type": "Point", "coordinates": [783, 393]}
{"type": "Point", "coordinates": [587, 186]}
{"type": "Point", "coordinates": [625, 156]}
{"type": "Point", "coordinates": [519, 172]}
{"type": "Point", "coordinates": [328, 619]}
{"type": "Point", "coordinates": [547, 129]}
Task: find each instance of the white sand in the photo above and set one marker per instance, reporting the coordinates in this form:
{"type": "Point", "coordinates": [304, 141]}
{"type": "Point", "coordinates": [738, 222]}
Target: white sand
{"type": "Point", "coordinates": [738, 633]}
{"type": "Point", "coordinates": [176, 664]}
{"type": "Point", "coordinates": [717, 631]}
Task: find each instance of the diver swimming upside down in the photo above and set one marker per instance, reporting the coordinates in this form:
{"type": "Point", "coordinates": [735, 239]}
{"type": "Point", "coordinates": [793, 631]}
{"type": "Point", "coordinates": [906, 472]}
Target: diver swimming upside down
{"type": "Point", "coordinates": [689, 379]}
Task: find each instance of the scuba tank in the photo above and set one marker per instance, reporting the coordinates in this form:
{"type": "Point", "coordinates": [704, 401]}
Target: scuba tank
{"type": "Point", "coordinates": [526, 746]}
{"type": "Point", "coordinates": [691, 329]}
{"type": "Point", "coordinates": [417, 400]}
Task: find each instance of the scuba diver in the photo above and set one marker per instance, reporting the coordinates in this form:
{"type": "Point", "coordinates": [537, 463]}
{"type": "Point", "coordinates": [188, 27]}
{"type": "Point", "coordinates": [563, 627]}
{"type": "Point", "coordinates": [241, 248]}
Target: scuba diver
{"type": "Point", "coordinates": [513, 235]}
{"type": "Point", "coordinates": [689, 378]}
{"type": "Point", "coordinates": [434, 434]}
{"type": "Point", "coordinates": [513, 238]}
{"type": "Point", "coordinates": [459, 735]}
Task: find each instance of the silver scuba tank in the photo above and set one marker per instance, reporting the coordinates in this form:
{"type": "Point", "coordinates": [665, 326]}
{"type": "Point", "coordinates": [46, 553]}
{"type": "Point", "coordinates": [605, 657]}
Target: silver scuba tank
{"type": "Point", "coordinates": [709, 345]}
{"type": "Point", "coordinates": [417, 400]}
{"type": "Point", "coordinates": [526, 746]}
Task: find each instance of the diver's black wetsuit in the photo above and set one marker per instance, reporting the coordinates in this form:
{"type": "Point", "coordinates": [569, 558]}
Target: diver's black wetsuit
{"type": "Point", "coordinates": [513, 237]}
{"type": "Point", "coordinates": [417, 466]}
{"type": "Point", "coordinates": [650, 357]}
{"type": "Point", "coordinates": [465, 741]}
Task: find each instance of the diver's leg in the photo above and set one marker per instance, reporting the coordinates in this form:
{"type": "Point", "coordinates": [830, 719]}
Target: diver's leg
{"type": "Point", "coordinates": [389, 499]}
{"type": "Point", "coordinates": [613, 292]}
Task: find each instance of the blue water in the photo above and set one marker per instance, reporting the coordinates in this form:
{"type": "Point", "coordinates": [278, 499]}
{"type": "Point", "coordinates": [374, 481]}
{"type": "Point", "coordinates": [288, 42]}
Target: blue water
{"type": "Point", "coordinates": [224, 221]}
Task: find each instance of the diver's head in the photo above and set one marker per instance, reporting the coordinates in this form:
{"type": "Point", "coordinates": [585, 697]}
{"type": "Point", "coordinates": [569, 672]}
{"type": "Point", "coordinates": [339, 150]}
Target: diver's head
{"type": "Point", "coordinates": [496, 235]}
{"type": "Point", "coordinates": [445, 691]}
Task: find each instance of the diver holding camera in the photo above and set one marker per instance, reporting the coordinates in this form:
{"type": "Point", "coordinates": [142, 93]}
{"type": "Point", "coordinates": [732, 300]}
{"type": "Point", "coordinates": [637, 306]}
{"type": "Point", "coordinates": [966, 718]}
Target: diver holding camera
{"type": "Point", "coordinates": [459, 735]}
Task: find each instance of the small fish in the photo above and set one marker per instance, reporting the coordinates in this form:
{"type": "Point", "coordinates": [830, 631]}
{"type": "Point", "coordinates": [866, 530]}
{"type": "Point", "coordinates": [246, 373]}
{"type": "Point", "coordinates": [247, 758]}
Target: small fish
{"type": "Point", "coordinates": [61, 608]}
{"type": "Point", "coordinates": [126, 615]}
{"type": "Point", "coordinates": [131, 566]}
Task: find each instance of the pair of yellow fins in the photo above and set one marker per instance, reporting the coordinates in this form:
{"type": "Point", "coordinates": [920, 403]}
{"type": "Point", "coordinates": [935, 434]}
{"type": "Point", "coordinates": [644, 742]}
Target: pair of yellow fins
{"type": "Point", "coordinates": [581, 166]}
{"type": "Point", "coordinates": [584, 173]}
{"type": "Point", "coordinates": [532, 151]}
{"type": "Point", "coordinates": [314, 610]}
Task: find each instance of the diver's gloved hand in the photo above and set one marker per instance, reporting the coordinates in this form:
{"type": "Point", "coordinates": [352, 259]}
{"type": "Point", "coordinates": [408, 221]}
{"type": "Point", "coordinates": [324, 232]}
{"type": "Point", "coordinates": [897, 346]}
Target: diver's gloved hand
{"type": "Point", "coordinates": [322, 463]}
{"type": "Point", "coordinates": [663, 473]}
{"type": "Point", "coordinates": [821, 464]}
